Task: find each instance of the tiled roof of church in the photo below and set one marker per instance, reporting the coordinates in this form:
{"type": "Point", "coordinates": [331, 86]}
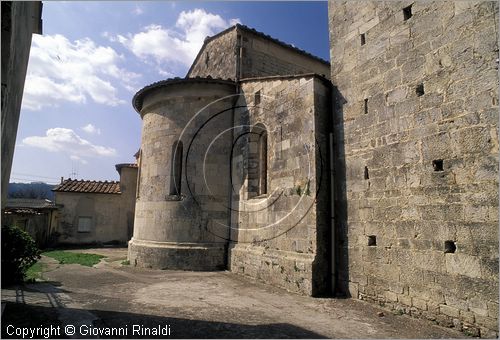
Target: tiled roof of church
{"type": "Point", "coordinates": [97, 187]}
{"type": "Point", "coordinates": [287, 76]}
{"type": "Point", "coordinates": [137, 99]}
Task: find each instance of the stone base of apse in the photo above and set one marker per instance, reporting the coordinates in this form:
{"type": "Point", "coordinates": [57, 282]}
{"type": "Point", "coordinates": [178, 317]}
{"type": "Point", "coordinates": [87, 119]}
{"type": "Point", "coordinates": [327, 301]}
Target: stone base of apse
{"type": "Point", "coordinates": [289, 270]}
{"type": "Point", "coordinates": [176, 256]}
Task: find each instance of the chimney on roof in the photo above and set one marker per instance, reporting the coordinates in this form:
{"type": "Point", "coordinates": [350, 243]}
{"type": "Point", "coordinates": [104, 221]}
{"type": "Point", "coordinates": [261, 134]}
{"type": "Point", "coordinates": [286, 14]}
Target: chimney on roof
{"type": "Point", "coordinates": [62, 179]}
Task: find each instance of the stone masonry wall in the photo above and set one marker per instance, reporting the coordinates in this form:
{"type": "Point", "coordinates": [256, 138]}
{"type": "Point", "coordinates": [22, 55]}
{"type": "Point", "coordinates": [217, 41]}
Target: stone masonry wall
{"type": "Point", "coordinates": [187, 230]}
{"type": "Point", "coordinates": [280, 235]}
{"type": "Point", "coordinates": [217, 59]}
{"type": "Point", "coordinates": [260, 57]}
{"type": "Point", "coordinates": [416, 127]}
{"type": "Point", "coordinates": [128, 187]}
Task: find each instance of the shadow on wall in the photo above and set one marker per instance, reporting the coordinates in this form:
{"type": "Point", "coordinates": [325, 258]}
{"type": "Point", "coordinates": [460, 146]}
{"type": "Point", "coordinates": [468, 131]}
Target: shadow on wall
{"type": "Point", "coordinates": [22, 315]}
{"type": "Point", "coordinates": [246, 174]}
{"type": "Point", "coordinates": [322, 274]}
{"type": "Point", "coordinates": [238, 176]}
{"type": "Point", "coordinates": [341, 246]}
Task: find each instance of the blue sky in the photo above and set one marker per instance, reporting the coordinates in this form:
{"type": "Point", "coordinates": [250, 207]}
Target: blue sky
{"type": "Point", "coordinates": [92, 58]}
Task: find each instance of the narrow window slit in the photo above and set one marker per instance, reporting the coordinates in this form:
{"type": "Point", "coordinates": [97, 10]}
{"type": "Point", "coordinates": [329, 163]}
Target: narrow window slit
{"type": "Point", "coordinates": [366, 106]}
{"type": "Point", "coordinates": [207, 58]}
{"type": "Point", "coordinates": [407, 14]}
{"type": "Point", "coordinates": [257, 161]}
{"type": "Point", "coordinates": [262, 163]}
{"type": "Point", "coordinates": [257, 98]}
{"type": "Point", "coordinates": [366, 173]}
{"type": "Point", "coordinates": [437, 165]}
{"type": "Point", "coordinates": [449, 247]}
{"type": "Point", "coordinates": [363, 39]}
{"type": "Point", "coordinates": [372, 240]}
{"type": "Point", "coordinates": [420, 90]}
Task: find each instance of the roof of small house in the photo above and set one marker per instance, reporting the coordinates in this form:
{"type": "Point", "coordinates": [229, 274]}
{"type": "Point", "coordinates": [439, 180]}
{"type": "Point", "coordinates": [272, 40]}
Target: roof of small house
{"type": "Point", "coordinates": [29, 203]}
{"type": "Point", "coordinates": [96, 187]}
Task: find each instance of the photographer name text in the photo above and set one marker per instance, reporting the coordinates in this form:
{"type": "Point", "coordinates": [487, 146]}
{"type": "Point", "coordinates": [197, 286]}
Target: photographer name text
{"type": "Point", "coordinates": [47, 332]}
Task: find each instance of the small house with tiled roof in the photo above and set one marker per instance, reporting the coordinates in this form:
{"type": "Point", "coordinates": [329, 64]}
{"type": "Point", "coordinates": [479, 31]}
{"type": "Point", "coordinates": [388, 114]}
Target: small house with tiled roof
{"type": "Point", "coordinates": [38, 217]}
{"type": "Point", "coordinates": [94, 212]}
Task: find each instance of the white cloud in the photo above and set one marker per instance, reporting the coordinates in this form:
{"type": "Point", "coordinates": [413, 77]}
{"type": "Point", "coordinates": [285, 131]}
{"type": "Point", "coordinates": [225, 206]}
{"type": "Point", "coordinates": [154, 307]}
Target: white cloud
{"type": "Point", "coordinates": [60, 70]}
{"type": "Point", "coordinates": [67, 141]}
{"type": "Point", "coordinates": [91, 129]}
{"type": "Point", "coordinates": [78, 159]}
{"type": "Point", "coordinates": [137, 10]}
{"type": "Point", "coordinates": [233, 22]}
{"type": "Point", "coordinates": [165, 73]}
{"type": "Point", "coordinates": [178, 46]}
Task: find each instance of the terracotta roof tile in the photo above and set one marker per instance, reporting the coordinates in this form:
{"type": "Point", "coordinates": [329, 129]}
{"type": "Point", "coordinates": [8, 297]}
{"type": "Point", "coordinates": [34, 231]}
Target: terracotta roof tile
{"type": "Point", "coordinates": [98, 187]}
{"type": "Point", "coordinates": [29, 203]}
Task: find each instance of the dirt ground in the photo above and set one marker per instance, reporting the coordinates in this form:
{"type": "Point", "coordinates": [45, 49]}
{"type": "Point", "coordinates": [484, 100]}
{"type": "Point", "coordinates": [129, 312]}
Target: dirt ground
{"type": "Point", "coordinates": [113, 300]}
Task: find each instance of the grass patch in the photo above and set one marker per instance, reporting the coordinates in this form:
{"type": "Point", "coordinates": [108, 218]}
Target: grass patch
{"type": "Point", "coordinates": [66, 257]}
{"type": "Point", "coordinates": [34, 272]}
{"type": "Point", "coordinates": [126, 262]}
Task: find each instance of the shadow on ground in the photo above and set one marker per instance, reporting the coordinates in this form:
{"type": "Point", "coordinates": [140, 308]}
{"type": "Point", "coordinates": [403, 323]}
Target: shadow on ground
{"type": "Point", "coordinates": [21, 315]}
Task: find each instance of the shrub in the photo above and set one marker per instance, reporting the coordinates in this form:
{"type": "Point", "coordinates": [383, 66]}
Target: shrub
{"type": "Point", "coordinates": [19, 252]}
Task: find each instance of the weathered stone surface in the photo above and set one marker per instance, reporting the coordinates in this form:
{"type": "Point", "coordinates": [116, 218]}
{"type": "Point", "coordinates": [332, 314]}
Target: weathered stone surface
{"type": "Point", "coordinates": [19, 21]}
{"type": "Point", "coordinates": [183, 225]}
{"type": "Point", "coordinates": [438, 76]}
{"type": "Point", "coordinates": [282, 235]}
{"type": "Point", "coordinates": [240, 53]}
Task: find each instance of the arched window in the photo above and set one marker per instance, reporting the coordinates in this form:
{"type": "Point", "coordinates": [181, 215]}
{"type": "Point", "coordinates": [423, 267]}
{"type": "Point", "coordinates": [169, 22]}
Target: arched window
{"type": "Point", "coordinates": [176, 169]}
{"type": "Point", "coordinates": [262, 163]}
{"type": "Point", "coordinates": [257, 161]}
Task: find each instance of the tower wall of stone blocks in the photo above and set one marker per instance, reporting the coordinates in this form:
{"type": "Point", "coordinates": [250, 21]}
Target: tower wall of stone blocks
{"type": "Point", "coordinates": [416, 134]}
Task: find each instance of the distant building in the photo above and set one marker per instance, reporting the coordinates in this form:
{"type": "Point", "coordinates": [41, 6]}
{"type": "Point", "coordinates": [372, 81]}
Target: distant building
{"type": "Point", "coordinates": [97, 211]}
{"type": "Point", "coordinates": [38, 217]}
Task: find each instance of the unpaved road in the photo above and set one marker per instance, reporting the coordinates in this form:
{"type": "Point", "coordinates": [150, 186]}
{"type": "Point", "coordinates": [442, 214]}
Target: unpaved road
{"type": "Point", "coordinates": [140, 303]}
